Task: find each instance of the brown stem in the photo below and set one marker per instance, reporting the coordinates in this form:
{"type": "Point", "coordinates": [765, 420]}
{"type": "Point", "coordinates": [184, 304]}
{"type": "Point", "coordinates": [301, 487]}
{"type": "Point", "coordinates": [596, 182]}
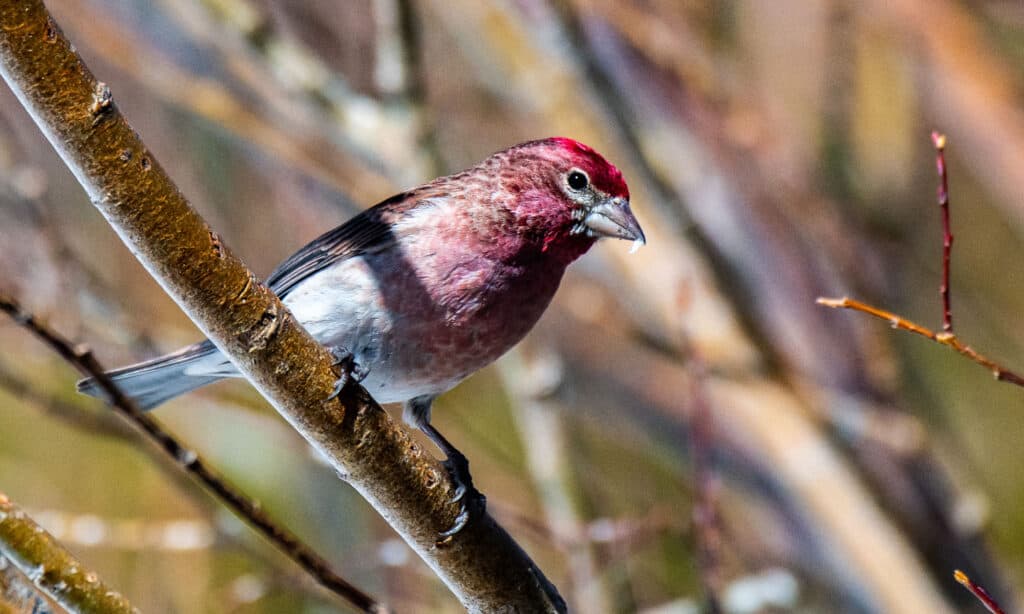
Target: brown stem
{"type": "Point", "coordinates": [939, 140]}
{"type": "Point", "coordinates": [482, 565]}
{"type": "Point", "coordinates": [51, 568]}
{"type": "Point", "coordinates": [978, 591]}
{"type": "Point", "coordinates": [948, 339]}
{"type": "Point", "coordinates": [244, 506]}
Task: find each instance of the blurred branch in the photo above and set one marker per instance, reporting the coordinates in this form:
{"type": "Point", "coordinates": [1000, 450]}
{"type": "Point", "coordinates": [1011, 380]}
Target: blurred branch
{"type": "Point", "coordinates": [409, 28]}
{"type": "Point", "coordinates": [947, 339]}
{"type": "Point", "coordinates": [978, 591]}
{"type": "Point", "coordinates": [299, 85]}
{"type": "Point", "coordinates": [530, 381]}
{"type": "Point", "coordinates": [482, 565]}
{"type": "Point", "coordinates": [968, 87]}
{"type": "Point", "coordinates": [780, 257]}
{"type": "Point", "coordinates": [706, 521]}
{"type": "Point", "coordinates": [770, 440]}
{"type": "Point", "coordinates": [189, 461]}
{"type": "Point", "coordinates": [53, 570]}
{"type": "Point", "coordinates": [301, 147]}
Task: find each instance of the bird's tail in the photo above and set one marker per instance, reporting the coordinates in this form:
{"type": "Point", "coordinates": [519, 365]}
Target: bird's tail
{"type": "Point", "coordinates": [155, 381]}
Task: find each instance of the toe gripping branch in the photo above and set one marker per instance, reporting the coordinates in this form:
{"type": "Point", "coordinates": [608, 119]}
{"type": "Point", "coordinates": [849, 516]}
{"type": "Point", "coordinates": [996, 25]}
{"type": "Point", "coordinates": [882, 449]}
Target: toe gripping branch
{"type": "Point", "coordinates": [350, 370]}
{"type": "Point", "coordinates": [472, 501]}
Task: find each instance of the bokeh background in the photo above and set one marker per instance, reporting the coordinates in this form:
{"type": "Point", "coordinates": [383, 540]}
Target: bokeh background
{"type": "Point", "coordinates": [776, 152]}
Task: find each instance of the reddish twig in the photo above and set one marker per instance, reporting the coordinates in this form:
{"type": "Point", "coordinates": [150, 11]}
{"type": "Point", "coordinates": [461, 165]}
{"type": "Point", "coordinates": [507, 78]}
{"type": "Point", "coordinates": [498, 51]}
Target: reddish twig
{"type": "Point", "coordinates": [939, 140]}
{"type": "Point", "coordinates": [948, 339]}
{"type": "Point", "coordinates": [245, 507]}
{"type": "Point", "coordinates": [979, 592]}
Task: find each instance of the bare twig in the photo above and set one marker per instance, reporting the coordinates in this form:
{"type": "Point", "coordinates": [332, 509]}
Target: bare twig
{"type": "Point", "coordinates": [939, 140]}
{"type": "Point", "coordinates": [948, 339]}
{"type": "Point", "coordinates": [52, 569]}
{"type": "Point", "coordinates": [244, 506]}
{"type": "Point", "coordinates": [978, 591]}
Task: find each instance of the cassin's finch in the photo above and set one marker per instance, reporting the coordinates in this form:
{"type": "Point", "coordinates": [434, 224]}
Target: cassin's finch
{"type": "Point", "coordinates": [434, 283]}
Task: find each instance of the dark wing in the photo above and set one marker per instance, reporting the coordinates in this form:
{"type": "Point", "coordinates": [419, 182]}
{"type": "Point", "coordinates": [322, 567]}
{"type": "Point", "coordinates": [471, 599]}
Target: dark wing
{"type": "Point", "coordinates": [370, 230]}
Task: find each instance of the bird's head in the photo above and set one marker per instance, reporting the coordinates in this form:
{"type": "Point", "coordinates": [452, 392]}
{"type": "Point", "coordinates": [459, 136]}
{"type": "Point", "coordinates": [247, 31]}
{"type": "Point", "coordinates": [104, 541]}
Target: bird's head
{"type": "Point", "coordinates": [567, 196]}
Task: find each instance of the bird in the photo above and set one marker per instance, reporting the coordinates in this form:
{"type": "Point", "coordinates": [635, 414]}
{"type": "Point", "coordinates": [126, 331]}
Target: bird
{"type": "Point", "coordinates": [432, 284]}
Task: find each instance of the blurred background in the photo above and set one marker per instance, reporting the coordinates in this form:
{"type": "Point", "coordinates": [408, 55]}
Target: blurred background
{"type": "Point", "coordinates": [776, 152]}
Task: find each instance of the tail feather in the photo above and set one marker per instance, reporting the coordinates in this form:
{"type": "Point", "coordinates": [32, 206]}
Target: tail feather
{"type": "Point", "coordinates": [161, 379]}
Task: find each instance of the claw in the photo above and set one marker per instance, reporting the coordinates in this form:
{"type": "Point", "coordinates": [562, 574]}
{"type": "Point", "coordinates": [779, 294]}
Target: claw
{"type": "Point", "coordinates": [458, 469]}
{"type": "Point", "coordinates": [349, 368]}
{"type": "Point", "coordinates": [339, 385]}
{"type": "Point", "coordinates": [473, 503]}
{"type": "Point", "coordinates": [460, 521]}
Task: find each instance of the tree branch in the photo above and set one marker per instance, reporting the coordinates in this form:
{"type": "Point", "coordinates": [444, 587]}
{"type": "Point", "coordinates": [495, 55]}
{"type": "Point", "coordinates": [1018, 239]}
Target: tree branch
{"type": "Point", "coordinates": [482, 565]}
{"type": "Point", "coordinates": [947, 339]}
{"type": "Point", "coordinates": [52, 569]}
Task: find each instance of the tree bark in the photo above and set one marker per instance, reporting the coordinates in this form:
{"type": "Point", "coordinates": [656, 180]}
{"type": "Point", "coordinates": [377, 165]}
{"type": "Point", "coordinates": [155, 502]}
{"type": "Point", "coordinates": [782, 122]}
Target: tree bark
{"type": "Point", "coordinates": [482, 564]}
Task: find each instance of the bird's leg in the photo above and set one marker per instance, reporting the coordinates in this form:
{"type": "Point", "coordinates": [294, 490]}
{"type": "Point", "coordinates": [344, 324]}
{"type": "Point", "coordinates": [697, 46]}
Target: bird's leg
{"type": "Point", "coordinates": [349, 368]}
{"type": "Point", "coordinates": [417, 413]}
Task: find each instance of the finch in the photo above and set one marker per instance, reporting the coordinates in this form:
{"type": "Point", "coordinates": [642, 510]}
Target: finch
{"type": "Point", "coordinates": [432, 284]}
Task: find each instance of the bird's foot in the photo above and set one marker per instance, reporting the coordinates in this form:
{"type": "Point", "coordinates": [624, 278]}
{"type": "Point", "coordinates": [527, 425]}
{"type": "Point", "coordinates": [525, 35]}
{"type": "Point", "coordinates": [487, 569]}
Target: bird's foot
{"type": "Point", "coordinates": [346, 360]}
{"type": "Point", "coordinates": [473, 503]}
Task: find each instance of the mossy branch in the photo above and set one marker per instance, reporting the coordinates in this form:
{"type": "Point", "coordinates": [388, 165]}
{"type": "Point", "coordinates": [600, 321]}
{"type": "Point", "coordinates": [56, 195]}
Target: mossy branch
{"type": "Point", "coordinates": [53, 570]}
{"type": "Point", "coordinates": [482, 565]}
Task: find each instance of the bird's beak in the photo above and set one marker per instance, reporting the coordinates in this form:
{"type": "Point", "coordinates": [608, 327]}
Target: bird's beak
{"type": "Point", "coordinates": [613, 218]}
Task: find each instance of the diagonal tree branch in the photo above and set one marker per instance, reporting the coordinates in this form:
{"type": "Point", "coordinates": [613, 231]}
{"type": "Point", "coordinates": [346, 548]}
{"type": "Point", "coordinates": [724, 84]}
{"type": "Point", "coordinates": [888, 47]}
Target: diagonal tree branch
{"type": "Point", "coordinates": [53, 570]}
{"type": "Point", "coordinates": [482, 565]}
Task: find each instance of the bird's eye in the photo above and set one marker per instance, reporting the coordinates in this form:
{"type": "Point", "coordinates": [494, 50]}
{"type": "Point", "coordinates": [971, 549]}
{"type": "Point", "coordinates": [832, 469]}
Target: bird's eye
{"type": "Point", "coordinates": [577, 180]}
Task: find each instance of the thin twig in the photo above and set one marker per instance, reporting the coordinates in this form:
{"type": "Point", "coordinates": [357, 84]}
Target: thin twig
{"type": "Point", "coordinates": [245, 507]}
{"type": "Point", "coordinates": [939, 140]}
{"type": "Point", "coordinates": [948, 339]}
{"type": "Point", "coordinates": [978, 591]}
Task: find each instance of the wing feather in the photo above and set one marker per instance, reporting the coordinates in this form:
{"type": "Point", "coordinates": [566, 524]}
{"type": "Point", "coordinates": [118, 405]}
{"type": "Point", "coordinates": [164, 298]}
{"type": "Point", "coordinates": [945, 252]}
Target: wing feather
{"type": "Point", "coordinates": [369, 231]}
